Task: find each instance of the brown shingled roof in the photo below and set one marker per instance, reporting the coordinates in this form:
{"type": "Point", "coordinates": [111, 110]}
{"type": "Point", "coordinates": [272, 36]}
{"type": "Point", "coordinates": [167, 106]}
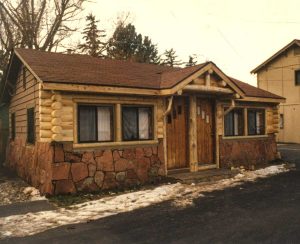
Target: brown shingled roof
{"type": "Point", "coordinates": [84, 69]}
{"type": "Point", "coordinates": [252, 91]}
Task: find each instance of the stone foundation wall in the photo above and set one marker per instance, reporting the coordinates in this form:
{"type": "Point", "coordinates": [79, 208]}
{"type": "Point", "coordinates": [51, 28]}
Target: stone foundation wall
{"type": "Point", "coordinates": [94, 170]}
{"type": "Point", "coordinates": [58, 169]}
{"type": "Point", "coordinates": [32, 163]}
{"type": "Point", "coordinates": [247, 152]}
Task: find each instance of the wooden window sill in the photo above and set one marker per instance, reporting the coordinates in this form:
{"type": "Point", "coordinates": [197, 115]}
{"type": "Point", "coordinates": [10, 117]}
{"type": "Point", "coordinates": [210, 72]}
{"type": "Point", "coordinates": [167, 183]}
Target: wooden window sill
{"type": "Point", "coordinates": [243, 137]}
{"type": "Point", "coordinates": [113, 144]}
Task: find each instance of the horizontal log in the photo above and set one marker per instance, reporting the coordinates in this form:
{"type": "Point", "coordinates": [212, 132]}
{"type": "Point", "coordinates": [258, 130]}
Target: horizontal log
{"type": "Point", "coordinates": [56, 121]}
{"type": "Point", "coordinates": [45, 139]}
{"type": "Point", "coordinates": [57, 137]}
{"type": "Point", "coordinates": [45, 125]}
{"type": "Point", "coordinates": [46, 133]}
{"type": "Point", "coordinates": [45, 110]}
{"type": "Point", "coordinates": [67, 109]}
{"type": "Point", "coordinates": [67, 118]}
{"type": "Point", "coordinates": [45, 118]}
{"type": "Point", "coordinates": [208, 89]}
{"type": "Point", "coordinates": [56, 113]}
{"type": "Point", "coordinates": [66, 102]}
{"type": "Point", "coordinates": [65, 138]}
{"type": "Point", "coordinates": [56, 129]}
{"type": "Point", "coordinates": [56, 97]}
{"type": "Point", "coordinates": [45, 95]}
{"type": "Point", "coordinates": [46, 102]}
{"type": "Point", "coordinates": [56, 105]}
{"type": "Point", "coordinates": [67, 133]}
{"type": "Point", "coordinates": [222, 83]}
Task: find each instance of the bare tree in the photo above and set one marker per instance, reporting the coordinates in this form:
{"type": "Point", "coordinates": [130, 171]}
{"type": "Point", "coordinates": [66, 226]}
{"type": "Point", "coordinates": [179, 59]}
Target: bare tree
{"type": "Point", "coordinates": [37, 24]}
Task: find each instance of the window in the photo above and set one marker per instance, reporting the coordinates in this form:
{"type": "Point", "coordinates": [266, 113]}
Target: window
{"type": "Point", "coordinates": [137, 123]}
{"type": "Point", "coordinates": [256, 122]}
{"type": "Point", "coordinates": [281, 121]}
{"type": "Point", "coordinates": [95, 123]}
{"type": "Point", "coordinates": [13, 125]}
{"type": "Point", "coordinates": [30, 126]}
{"type": "Point", "coordinates": [297, 77]}
{"type": "Point", "coordinates": [234, 123]}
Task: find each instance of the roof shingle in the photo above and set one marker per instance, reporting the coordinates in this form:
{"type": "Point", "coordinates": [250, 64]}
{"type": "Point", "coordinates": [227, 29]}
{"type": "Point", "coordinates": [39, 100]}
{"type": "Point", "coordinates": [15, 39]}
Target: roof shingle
{"type": "Point", "coordinates": [84, 69]}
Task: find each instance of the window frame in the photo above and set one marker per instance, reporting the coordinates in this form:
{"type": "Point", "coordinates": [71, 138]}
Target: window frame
{"type": "Point", "coordinates": [264, 121]}
{"type": "Point", "coordinates": [151, 124]}
{"type": "Point", "coordinates": [297, 83]}
{"type": "Point", "coordinates": [243, 118]}
{"type": "Point", "coordinates": [112, 124]}
{"type": "Point", "coordinates": [30, 140]}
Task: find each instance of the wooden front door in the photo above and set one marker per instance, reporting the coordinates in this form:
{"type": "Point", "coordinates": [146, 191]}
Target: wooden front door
{"type": "Point", "coordinates": [177, 141]}
{"type": "Point", "coordinates": [205, 131]}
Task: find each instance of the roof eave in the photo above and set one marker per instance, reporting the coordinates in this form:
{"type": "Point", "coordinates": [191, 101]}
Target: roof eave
{"type": "Point", "coordinates": [263, 99]}
{"type": "Point", "coordinates": [263, 64]}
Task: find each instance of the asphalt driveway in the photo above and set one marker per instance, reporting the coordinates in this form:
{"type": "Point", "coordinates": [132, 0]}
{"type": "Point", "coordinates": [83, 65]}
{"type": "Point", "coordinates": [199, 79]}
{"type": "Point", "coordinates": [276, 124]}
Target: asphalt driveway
{"type": "Point", "coordinates": [265, 211]}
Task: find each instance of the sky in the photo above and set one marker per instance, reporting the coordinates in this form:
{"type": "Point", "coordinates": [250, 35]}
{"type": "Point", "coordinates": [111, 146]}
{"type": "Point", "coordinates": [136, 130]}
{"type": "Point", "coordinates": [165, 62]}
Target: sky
{"type": "Point", "coordinates": [237, 35]}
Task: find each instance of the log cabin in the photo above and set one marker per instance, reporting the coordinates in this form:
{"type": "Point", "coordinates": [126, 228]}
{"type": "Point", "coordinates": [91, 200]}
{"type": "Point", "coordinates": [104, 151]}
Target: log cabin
{"type": "Point", "coordinates": [79, 123]}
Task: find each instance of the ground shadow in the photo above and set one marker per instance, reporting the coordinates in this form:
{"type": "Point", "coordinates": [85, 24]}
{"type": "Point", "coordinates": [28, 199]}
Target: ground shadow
{"type": "Point", "coordinates": [265, 211]}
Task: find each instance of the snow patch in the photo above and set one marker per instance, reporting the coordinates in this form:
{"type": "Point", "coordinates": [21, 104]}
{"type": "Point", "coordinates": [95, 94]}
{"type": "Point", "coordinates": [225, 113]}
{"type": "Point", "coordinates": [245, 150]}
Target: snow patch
{"type": "Point", "coordinates": [180, 195]}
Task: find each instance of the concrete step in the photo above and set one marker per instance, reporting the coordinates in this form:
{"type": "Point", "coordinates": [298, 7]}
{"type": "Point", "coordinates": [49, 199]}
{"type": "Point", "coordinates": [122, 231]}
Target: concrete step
{"type": "Point", "coordinates": [203, 176]}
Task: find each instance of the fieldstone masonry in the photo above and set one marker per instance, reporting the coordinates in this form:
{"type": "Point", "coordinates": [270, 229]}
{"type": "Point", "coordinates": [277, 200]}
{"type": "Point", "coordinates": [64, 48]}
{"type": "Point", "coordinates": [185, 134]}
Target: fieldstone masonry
{"type": "Point", "coordinates": [249, 152]}
{"type": "Point", "coordinates": [58, 169]}
{"type": "Point", "coordinates": [105, 169]}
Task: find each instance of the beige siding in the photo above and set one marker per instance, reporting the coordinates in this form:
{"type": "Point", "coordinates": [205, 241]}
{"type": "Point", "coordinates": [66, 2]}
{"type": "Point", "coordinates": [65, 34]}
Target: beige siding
{"type": "Point", "coordinates": [279, 77]}
{"type": "Point", "coordinates": [26, 96]}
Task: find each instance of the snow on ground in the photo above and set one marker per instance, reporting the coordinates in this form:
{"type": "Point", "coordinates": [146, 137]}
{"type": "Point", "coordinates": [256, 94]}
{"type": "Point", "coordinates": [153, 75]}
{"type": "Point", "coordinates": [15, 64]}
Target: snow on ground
{"type": "Point", "coordinates": [181, 196]}
{"type": "Point", "coordinates": [16, 190]}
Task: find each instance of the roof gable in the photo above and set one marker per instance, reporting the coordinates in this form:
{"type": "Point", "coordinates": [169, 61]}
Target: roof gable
{"type": "Point", "coordinates": [285, 48]}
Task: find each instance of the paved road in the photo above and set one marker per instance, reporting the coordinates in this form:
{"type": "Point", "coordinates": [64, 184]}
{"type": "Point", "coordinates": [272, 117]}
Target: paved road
{"type": "Point", "coordinates": [266, 211]}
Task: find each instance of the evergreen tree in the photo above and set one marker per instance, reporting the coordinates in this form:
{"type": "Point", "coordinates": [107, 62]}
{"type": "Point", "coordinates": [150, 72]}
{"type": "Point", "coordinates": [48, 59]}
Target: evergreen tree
{"type": "Point", "coordinates": [123, 43]}
{"type": "Point", "coordinates": [170, 58]}
{"type": "Point", "coordinates": [127, 44]}
{"type": "Point", "coordinates": [93, 36]}
{"type": "Point", "coordinates": [147, 52]}
{"type": "Point", "coordinates": [192, 61]}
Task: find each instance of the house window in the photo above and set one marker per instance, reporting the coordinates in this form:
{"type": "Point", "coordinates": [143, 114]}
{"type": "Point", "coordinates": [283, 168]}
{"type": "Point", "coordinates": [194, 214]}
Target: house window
{"type": "Point", "coordinates": [234, 122]}
{"type": "Point", "coordinates": [13, 125]}
{"type": "Point", "coordinates": [95, 123]}
{"type": "Point", "coordinates": [30, 126]}
{"type": "Point", "coordinates": [297, 77]}
{"type": "Point", "coordinates": [256, 122]}
{"type": "Point", "coordinates": [137, 123]}
{"type": "Point", "coordinates": [281, 121]}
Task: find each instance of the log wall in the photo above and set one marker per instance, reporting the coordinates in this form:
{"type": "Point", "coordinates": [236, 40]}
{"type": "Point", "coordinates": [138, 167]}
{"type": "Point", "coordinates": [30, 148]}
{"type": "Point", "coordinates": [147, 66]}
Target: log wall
{"type": "Point", "coordinates": [59, 113]}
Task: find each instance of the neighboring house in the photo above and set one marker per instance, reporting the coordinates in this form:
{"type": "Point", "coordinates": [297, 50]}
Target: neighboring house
{"type": "Point", "coordinates": [280, 74]}
{"type": "Point", "coordinates": [79, 123]}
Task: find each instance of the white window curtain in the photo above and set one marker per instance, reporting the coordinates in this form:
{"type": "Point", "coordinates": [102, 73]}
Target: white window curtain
{"type": "Point", "coordinates": [144, 123]}
{"type": "Point", "coordinates": [258, 123]}
{"type": "Point", "coordinates": [104, 124]}
{"type": "Point", "coordinates": [236, 124]}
